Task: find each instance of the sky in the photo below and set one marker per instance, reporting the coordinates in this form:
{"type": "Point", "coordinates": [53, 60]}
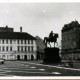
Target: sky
{"type": "Point", "coordinates": [39, 18]}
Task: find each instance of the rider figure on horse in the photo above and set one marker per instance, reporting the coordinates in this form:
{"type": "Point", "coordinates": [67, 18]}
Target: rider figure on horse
{"type": "Point", "coordinates": [51, 35]}
{"type": "Point", "coordinates": [52, 38]}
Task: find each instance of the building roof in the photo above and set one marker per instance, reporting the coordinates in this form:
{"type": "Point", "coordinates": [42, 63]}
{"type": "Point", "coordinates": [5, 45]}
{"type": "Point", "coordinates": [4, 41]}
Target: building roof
{"type": "Point", "coordinates": [70, 25]}
{"type": "Point", "coordinates": [16, 35]}
{"type": "Point", "coordinates": [6, 29]}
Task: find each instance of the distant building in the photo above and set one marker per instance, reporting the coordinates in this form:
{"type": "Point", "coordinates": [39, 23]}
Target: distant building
{"type": "Point", "coordinates": [40, 48]}
{"type": "Point", "coordinates": [71, 40]}
{"type": "Point", "coordinates": [17, 45]}
{"type": "Point", "coordinates": [6, 29]}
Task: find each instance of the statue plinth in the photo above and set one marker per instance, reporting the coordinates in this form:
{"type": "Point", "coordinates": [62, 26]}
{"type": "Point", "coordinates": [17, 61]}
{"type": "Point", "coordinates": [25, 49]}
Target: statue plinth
{"type": "Point", "coordinates": [51, 55]}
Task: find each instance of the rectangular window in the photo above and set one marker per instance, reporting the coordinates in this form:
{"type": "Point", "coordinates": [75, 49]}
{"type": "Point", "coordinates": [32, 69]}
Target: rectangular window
{"type": "Point", "coordinates": [3, 49]}
{"type": "Point", "coordinates": [28, 48]}
{"type": "Point", "coordinates": [10, 48]}
{"type": "Point", "coordinates": [32, 48]}
{"type": "Point", "coordinates": [18, 42]}
{"type": "Point", "coordinates": [7, 41]}
{"type": "Point", "coordinates": [31, 41]}
{"type": "Point", "coordinates": [28, 41]}
{"type": "Point", "coordinates": [22, 48]}
{"type": "Point", "coordinates": [18, 48]}
{"type": "Point", "coordinates": [3, 41]}
{"type": "Point", "coordinates": [10, 41]}
{"type": "Point", "coordinates": [25, 41]}
{"type": "Point", "coordinates": [21, 41]}
{"type": "Point", "coordinates": [7, 48]}
{"type": "Point", "coordinates": [25, 48]}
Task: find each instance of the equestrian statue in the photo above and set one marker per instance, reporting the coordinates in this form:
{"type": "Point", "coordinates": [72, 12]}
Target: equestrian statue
{"type": "Point", "coordinates": [52, 38]}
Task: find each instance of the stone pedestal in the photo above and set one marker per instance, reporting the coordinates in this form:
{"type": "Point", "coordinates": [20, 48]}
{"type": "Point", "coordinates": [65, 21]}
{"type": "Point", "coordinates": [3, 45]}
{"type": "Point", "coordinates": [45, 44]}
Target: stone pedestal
{"type": "Point", "coordinates": [51, 55]}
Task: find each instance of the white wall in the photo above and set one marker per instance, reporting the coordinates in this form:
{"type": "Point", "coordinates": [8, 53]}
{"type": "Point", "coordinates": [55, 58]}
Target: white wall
{"type": "Point", "coordinates": [14, 51]}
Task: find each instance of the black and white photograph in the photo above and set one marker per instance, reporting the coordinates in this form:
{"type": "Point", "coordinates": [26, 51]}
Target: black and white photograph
{"type": "Point", "coordinates": [39, 39]}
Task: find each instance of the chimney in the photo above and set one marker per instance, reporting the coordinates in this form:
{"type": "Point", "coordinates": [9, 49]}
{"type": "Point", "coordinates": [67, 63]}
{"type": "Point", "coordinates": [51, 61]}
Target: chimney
{"type": "Point", "coordinates": [20, 29]}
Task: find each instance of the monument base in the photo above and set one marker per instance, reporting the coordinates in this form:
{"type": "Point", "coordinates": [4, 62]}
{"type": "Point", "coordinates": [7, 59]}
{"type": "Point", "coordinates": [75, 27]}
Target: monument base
{"type": "Point", "coordinates": [51, 55]}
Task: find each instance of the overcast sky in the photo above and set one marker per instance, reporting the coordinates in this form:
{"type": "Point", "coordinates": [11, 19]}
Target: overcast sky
{"type": "Point", "coordinates": [38, 18]}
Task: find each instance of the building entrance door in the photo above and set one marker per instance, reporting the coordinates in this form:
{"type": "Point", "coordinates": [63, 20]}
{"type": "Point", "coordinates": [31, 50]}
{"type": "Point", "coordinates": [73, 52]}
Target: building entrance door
{"type": "Point", "coordinates": [25, 57]}
{"type": "Point", "coordinates": [18, 57]}
{"type": "Point", "coordinates": [32, 57]}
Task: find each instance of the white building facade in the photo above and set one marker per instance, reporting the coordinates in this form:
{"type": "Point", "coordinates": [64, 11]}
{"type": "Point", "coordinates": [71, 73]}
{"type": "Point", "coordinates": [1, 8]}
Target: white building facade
{"type": "Point", "coordinates": [17, 46]}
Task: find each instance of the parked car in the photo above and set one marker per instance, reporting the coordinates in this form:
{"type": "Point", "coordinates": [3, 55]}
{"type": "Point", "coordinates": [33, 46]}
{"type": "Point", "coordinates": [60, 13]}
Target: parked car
{"type": "Point", "coordinates": [2, 61]}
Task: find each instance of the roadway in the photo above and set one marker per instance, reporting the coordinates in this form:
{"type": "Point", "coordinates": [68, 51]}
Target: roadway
{"type": "Point", "coordinates": [34, 68]}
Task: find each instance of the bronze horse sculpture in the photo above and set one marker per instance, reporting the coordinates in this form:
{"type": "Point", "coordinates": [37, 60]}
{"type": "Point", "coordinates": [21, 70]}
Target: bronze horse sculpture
{"type": "Point", "coordinates": [47, 40]}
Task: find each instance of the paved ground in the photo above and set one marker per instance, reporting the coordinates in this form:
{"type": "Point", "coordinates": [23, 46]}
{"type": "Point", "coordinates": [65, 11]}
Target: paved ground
{"type": "Point", "coordinates": [33, 68]}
